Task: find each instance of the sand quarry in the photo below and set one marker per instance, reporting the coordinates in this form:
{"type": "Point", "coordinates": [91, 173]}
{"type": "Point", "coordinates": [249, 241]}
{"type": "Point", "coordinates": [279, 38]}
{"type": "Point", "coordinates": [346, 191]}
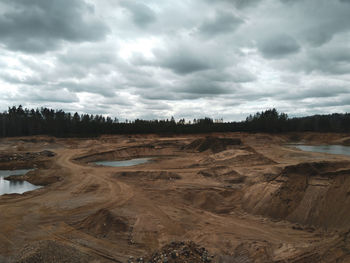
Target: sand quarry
{"type": "Point", "coordinates": [230, 197]}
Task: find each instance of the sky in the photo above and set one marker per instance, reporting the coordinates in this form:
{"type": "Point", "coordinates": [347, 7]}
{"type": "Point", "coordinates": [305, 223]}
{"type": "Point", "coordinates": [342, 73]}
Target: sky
{"type": "Point", "coordinates": [187, 58]}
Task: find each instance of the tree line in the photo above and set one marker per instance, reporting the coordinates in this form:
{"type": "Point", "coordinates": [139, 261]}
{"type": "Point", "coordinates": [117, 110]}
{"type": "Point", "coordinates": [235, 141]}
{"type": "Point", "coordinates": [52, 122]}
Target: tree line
{"type": "Point", "coordinates": [19, 121]}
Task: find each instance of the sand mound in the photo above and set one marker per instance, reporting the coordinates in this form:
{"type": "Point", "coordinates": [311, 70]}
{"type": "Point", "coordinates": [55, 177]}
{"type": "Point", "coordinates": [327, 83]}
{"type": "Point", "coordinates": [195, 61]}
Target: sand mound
{"type": "Point", "coordinates": [177, 252]}
{"type": "Point", "coordinates": [90, 188]}
{"type": "Point", "coordinates": [213, 200]}
{"type": "Point", "coordinates": [213, 144]}
{"type": "Point", "coordinates": [243, 158]}
{"type": "Point", "coordinates": [308, 193]}
{"type": "Point", "coordinates": [150, 175]}
{"type": "Point", "coordinates": [218, 171]}
{"type": "Point", "coordinates": [145, 150]}
{"type": "Point", "coordinates": [248, 252]}
{"type": "Point", "coordinates": [53, 252]}
{"type": "Point", "coordinates": [103, 224]}
{"type": "Point", "coordinates": [224, 173]}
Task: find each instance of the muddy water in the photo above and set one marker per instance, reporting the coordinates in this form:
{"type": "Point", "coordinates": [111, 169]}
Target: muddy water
{"type": "Point", "coordinates": [14, 187]}
{"type": "Point", "coordinates": [123, 163]}
{"type": "Point", "coordinates": [332, 149]}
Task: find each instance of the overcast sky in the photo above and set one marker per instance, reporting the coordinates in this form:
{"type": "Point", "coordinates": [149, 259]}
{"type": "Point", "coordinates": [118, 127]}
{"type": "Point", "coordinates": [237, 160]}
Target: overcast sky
{"type": "Point", "coordinates": [186, 58]}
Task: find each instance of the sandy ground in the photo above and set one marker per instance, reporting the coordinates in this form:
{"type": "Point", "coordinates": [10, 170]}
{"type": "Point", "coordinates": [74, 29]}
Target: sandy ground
{"type": "Point", "coordinates": [258, 201]}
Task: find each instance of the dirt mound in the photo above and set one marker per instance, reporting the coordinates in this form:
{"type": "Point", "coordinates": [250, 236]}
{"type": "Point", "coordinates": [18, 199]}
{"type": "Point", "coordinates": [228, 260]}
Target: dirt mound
{"type": "Point", "coordinates": [103, 224]}
{"type": "Point", "coordinates": [313, 194]}
{"type": "Point", "coordinates": [179, 252]}
{"type": "Point", "coordinates": [218, 171]}
{"type": "Point", "coordinates": [150, 175]}
{"type": "Point", "coordinates": [247, 252]}
{"type": "Point", "coordinates": [213, 144]}
{"type": "Point", "coordinates": [213, 200]}
{"type": "Point", "coordinates": [240, 160]}
{"type": "Point", "coordinates": [224, 173]}
{"type": "Point", "coordinates": [87, 189]}
{"type": "Point", "coordinates": [53, 252]}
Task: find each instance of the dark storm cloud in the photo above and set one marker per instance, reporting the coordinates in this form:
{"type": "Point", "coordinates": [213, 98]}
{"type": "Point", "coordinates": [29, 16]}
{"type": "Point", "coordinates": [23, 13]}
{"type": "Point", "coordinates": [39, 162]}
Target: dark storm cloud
{"type": "Point", "coordinates": [142, 14]}
{"type": "Point", "coordinates": [203, 84]}
{"type": "Point", "coordinates": [183, 61]}
{"type": "Point", "coordinates": [317, 91]}
{"type": "Point", "coordinates": [331, 59]}
{"type": "Point", "coordinates": [317, 22]}
{"type": "Point", "coordinates": [203, 88]}
{"type": "Point", "coordinates": [37, 26]}
{"type": "Point", "coordinates": [190, 57]}
{"type": "Point", "coordinates": [240, 3]}
{"type": "Point", "coordinates": [278, 46]}
{"type": "Point", "coordinates": [335, 61]}
{"type": "Point", "coordinates": [320, 34]}
{"type": "Point", "coordinates": [223, 22]}
{"type": "Point", "coordinates": [291, 1]}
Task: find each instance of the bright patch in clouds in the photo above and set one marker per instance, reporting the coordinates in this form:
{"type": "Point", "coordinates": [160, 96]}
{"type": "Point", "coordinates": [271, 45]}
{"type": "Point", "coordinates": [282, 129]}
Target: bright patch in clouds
{"type": "Point", "coordinates": [143, 46]}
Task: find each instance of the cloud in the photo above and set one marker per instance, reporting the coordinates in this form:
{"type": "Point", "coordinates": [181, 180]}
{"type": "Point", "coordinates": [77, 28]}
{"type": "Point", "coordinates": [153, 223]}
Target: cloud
{"type": "Point", "coordinates": [155, 59]}
{"type": "Point", "coordinates": [184, 62]}
{"type": "Point", "coordinates": [44, 96]}
{"type": "Point", "coordinates": [278, 46]}
{"type": "Point", "coordinates": [317, 22]}
{"type": "Point", "coordinates": [241, 3]}
{"type": "Point", "coordinates": [332, 58]}
{"type": "Point", "coordinates": [317, 90]}
{"type": "Point", "coordinates": [142, 14]}
{"type": "Point", "coordinates": [188, 56]}
{"type": "Point", "coordinates": [221, 23]}
{"type": "Point", "coordinates": [36, 26]}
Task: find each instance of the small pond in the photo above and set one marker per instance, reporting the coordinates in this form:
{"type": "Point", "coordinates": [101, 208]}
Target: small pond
{"type": "Point", "coordinates": [15, 187]}
{"type": "Point", "coordinates": [332, 149]}
{"type": "Point", "coordinates": [123, 163]}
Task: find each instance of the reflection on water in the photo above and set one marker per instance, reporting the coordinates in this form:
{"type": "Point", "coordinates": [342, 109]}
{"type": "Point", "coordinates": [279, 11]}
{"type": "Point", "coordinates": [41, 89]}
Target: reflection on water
{"type": "Point", "coordinates": [123, 163]}
{"type": "Point", "coordinates": [14, 187]}
{"type": "Point", "coordinates": [333, 149]}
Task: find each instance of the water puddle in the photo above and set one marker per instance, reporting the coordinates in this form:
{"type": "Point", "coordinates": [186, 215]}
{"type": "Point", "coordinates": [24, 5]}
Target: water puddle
{"type": "Point", "coordinates": [332, 149]}
{"type": "Point", "coordinates": [15, 187]}
{"type": "Point", "coordinates": [123, 163]}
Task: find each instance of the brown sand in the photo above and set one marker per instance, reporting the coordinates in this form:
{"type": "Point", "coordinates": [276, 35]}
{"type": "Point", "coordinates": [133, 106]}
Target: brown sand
{"type": "Point", "coordinates": [243, 197]}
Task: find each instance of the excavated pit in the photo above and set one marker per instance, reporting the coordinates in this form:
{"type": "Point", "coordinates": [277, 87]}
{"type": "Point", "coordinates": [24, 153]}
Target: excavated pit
{"type": "Point", "coordinates": [312, 193]}
{"type": "Point", "coordinates": [126, 153]}
{"type": "Point", "coordinates": [243, 197]}
{"type": "Point", "coordinates": [213, 144]}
